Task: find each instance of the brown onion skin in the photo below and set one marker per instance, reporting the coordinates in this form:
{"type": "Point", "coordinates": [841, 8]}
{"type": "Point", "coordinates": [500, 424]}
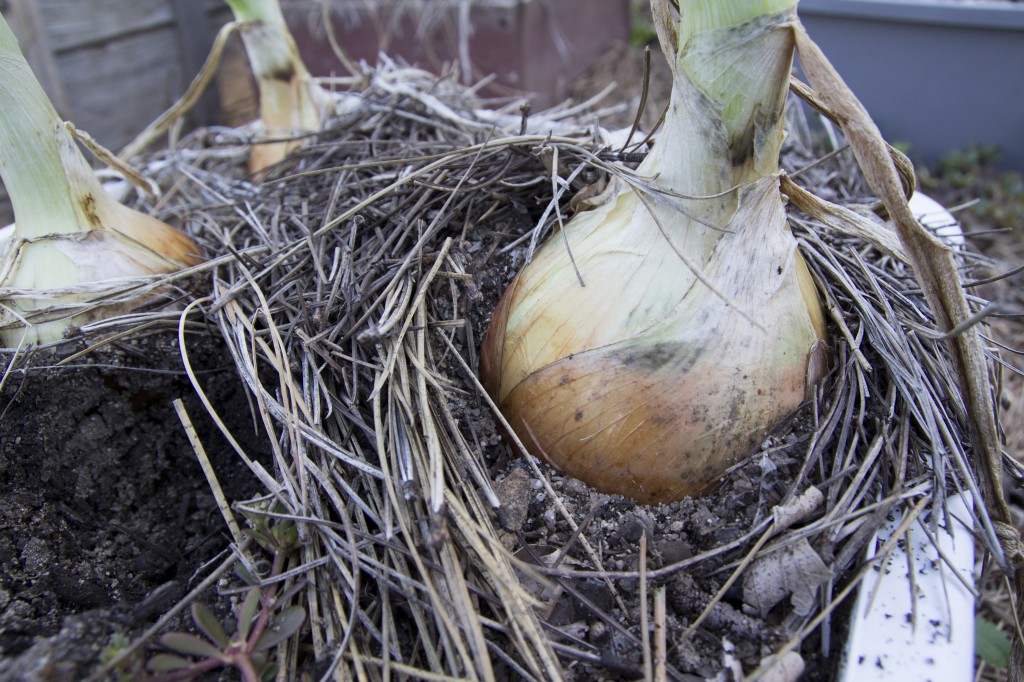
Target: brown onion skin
{"type": "Point", "coordinates": [655, 423]}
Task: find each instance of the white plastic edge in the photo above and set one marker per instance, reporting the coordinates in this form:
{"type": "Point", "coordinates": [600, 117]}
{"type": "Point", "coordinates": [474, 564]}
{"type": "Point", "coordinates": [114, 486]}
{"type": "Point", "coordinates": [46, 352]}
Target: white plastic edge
{"type": "Point", "coordinates": [936, 218]}
{"type": "Point", "coordinates": [922, 629]}
{"type": "Point", "coordinates": [919, 629]}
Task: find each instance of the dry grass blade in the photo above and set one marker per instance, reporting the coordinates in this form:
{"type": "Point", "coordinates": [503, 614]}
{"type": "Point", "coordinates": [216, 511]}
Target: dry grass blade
{"type": "Point", "coordinates": [188, 100]}
{"type": "Point", "coordinates": [386, 475]}
{"type": "Point", "coordinates": [211, 475]}
{"type": "Point", "coordinates": [353, 290]}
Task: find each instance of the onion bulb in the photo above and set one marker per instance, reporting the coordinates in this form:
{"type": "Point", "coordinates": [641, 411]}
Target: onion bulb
{"type": "Point", "coordinates": [69, 234]}
{"type": "Point", "coordinates": [665, 332]}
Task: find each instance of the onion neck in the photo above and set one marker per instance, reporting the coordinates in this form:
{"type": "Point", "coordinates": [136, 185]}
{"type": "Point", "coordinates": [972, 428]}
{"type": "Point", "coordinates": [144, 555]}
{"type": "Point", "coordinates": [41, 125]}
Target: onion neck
{"type": "Point", "coordinates": [725, 123]}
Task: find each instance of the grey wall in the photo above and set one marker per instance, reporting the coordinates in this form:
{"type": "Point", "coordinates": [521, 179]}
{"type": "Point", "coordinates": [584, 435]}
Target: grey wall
{"type": "Point", "coordinates": [937, 75]}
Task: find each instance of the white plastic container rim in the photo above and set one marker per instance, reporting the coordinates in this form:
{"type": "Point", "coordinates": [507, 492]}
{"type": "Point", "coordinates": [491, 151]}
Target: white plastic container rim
{"type": "Point", "coordinates": [918, 627]}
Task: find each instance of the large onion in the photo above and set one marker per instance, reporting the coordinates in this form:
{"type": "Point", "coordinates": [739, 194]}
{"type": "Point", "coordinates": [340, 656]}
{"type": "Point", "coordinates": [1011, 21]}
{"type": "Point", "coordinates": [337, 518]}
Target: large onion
{"type": "Point", "coordinates": [697, 327]}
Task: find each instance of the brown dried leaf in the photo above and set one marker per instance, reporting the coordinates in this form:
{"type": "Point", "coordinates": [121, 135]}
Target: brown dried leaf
{"type": "Point", "coordinates": [513, 492]}
{"type": "Point", "coordinates": [795, 570]}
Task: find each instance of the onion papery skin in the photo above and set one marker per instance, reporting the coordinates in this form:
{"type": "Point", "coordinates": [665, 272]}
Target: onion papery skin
{"type": "Point", "coordinates": [72, 247]}
{"type": "Point", "coordinates": [659, 338]}
{"type": "Point", "coordinates": [661, 412]}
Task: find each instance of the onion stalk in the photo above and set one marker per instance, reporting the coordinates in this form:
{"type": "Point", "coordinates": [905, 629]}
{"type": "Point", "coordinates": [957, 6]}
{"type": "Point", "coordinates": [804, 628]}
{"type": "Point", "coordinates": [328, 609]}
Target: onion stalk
{"type": "Point", "coordinates": [68, 232]}
{"type": "Point", "coordinates": [665, 332]}
{"type": "Point", "coordinates": [291, 102]}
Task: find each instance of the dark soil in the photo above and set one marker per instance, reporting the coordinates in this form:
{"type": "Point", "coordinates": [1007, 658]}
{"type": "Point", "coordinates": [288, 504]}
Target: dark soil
{"type": "Point", "coordinates": [106, 515]}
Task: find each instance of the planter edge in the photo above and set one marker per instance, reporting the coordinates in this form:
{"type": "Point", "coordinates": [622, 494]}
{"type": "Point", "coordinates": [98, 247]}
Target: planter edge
{"type": "Point", "coordinates": [997, 16]}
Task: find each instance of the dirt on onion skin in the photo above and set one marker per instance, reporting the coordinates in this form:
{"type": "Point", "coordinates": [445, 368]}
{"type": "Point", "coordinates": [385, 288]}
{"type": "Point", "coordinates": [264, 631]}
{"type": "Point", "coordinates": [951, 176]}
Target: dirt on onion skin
{"type": "Point", "coordinates": [105, 515]}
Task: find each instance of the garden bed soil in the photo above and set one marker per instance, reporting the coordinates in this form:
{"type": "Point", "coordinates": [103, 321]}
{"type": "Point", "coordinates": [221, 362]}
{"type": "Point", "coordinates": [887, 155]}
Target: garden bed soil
{"type": "Point", "coordinates": [106, 515]}
{"type": "Point", "coordinates": [107, 518]}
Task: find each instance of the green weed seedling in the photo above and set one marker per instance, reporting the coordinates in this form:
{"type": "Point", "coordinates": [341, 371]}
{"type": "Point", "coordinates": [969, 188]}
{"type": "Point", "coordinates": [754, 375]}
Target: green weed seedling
{"type": "Point", "coordinates": [256, 631]}
{"type": "Point", "coordinates": [259, 625]}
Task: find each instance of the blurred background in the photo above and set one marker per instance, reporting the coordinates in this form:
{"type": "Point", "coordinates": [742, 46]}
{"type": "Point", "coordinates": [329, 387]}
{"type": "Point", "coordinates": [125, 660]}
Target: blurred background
{"type": "Point", "coordinates": [937, 75]}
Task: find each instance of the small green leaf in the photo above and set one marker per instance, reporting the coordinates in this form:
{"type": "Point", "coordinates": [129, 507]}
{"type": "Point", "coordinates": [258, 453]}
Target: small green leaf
{"type": "Point", "coordinates": [118, 643]}
{"type": "Point", "coordinates": [281, 627]}
{"type": "Point", "coordinates": [991, 644]}
{"type": "Point", "coordinates": [244, 574]}
{"type": "Point", "coordinates": [209, 625]}
{"type": "Point", "coordinates": [185, 643]}
{"type": "Point", "coordinates": [264, 538]}
{"type": "Point", "coordinates": [167, 663]}
{"type": "Point", "coordinates": [267, 670]}
{"type": "Point", "coordinates": [286, 535]}
{"type": "Point", "coordinates": [248, 612]}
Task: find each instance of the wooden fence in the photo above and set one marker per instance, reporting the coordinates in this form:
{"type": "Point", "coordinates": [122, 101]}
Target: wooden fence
{"type": "Point", "coordinates": [112, 66]}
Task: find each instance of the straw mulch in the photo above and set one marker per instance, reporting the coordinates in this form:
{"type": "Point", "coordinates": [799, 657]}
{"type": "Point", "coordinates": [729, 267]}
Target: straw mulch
{"type": "Point", "coordinates": [352, 287]}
